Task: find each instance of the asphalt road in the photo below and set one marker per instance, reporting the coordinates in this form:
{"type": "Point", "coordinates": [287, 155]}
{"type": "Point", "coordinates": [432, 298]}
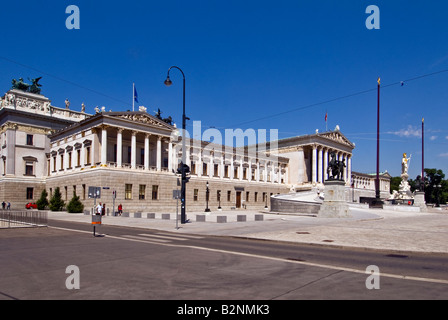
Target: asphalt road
{"type": "Point", "coordinates": [131, 263]}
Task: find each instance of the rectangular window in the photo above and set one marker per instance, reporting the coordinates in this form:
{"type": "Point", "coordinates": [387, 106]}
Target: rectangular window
{"type": "Point", "coordinates": [192, 167]}
{"type": "Point", "coordinates": [62, 162]}
{"type": "Point", "coordinates": [226, 171]}
{"type": "Point", "coordinates": [78, 158]}
{"type": "Point", "coordinates": [235, 173]}
{"type": "Point", "coordinates": [29, 139]}
{"type": "Point", "coordinates": [29, 166]}
{"type": "Point", "coordinates": [88, 156]}
{"type": "Point", "coordinates": [256, 196]}
{"type": "Point", "coordinates": [155, 192]}
{"type": "Point", "coordinates": [195, 194]}
{"type": "Point", "coordinates": [218, 195]}
{"type": "Point", "coordinates": [29, 193]}
{"type": "Point", "coordinates": [204, 169]}
{"type": "Point", "coordinates": [128, 191]}
{"type": "Point", "coordinates": [83, 192]}
{"type": "Point", "coordinates": [141, 191]}
{"type": "Point", "coordinates": [216, 170]}
{"type": "Point", "coordinates": [229, 195]}
{"type": "Point", "coordinates": [247, 196]}
{"type": "Point", "coordinates": [245, 173]}
{"type": "Point", "coordinates": [69, 160]}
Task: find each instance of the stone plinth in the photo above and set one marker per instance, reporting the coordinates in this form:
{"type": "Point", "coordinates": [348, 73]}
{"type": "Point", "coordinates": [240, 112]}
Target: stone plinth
{"type": "Point", "coordinates": [334, 205]}
{"type": "Point", "coordinates": [419, 201]}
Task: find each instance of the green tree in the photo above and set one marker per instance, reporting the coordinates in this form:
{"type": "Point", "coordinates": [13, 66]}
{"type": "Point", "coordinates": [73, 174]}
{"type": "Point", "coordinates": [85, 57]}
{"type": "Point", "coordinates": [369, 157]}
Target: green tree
{"type": "Point", "coordinates": [435, 186]}
{"type": "Point", "coordinates": [75, 205]}
{"type": "Point", "coordinates": [42, 203]}
{"type": "Point", "coordinates": [56, 202]}
{"type": "Point", "coordinates": [394, 183]}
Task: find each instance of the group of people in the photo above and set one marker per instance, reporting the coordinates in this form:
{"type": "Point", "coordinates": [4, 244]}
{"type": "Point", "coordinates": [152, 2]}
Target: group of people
{"type": "Point", "coordinates": [101, 209]}
{"type": "Point", "coordinates": [6, 206]}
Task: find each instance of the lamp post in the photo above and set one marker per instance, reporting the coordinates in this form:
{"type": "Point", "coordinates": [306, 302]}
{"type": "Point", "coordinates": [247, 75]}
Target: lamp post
{"type": "Point", "coordinates": [168, 83]}
{"type": "Point", "coordinates": [207, 195]}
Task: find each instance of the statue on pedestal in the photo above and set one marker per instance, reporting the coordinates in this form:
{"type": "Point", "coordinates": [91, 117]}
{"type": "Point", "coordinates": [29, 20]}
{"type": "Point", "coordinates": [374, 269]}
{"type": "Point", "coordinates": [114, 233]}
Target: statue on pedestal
{"type": "Point", "coordinates": [404, 189]}
{"type": "Point", "coordinates": [335, 168]}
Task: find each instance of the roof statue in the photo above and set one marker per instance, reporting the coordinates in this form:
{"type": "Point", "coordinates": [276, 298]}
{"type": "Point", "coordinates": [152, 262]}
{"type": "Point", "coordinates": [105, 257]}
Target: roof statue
{"type": "Point", "coordinates": [34, 87]}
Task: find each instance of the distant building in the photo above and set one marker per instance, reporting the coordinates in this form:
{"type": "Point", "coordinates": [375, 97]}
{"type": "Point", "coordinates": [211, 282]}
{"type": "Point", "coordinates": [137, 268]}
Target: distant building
{"type": "Point", "coordinates": [363, 186]}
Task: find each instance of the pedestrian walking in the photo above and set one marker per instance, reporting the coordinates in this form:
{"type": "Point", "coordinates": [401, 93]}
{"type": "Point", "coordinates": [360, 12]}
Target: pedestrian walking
{"type": "Point", "coordinates": [120, 209]}
{"type": "Point", "coordinates": [99, 209]}
{"type": "Point", "coordinates": [3, 205]}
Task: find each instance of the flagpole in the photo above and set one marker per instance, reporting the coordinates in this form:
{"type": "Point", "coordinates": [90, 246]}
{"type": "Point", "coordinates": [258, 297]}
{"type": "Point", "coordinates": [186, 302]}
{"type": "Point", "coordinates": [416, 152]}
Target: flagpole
{"type": "Point", "coordinates": [133, 95]}
{"type": "Point", "coordinates": [423, 154]}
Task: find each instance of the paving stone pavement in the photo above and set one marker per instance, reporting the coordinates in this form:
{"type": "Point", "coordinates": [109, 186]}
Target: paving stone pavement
{"type": "Point", "coordinates": [367, 228]}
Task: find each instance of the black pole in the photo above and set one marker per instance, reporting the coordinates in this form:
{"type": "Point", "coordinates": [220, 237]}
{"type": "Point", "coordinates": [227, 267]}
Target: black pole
{"type": "Point", "coordinates": [377, 181]}
{"type": "Point", "coordinates": [423, 155]}
{"type": "Point", "coordinates": [183, 216]}
{"type": "Point", "coordinates": [207, 196]}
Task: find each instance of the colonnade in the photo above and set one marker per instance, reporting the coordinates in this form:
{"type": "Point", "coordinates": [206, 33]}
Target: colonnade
{"type": "Point", "coordinates": [320, 161]}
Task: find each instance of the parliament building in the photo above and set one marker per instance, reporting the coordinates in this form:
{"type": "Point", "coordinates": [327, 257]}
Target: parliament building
{"type": "Point", "coordinates": [133, 157]}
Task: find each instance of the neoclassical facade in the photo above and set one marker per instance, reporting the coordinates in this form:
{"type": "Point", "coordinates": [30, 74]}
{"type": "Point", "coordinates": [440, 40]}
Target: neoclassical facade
{"type": "Point", "coordinates": [133, 157]}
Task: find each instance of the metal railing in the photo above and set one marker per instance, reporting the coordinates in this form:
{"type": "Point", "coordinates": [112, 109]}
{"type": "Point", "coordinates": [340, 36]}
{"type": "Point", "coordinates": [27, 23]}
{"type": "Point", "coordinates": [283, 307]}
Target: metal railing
{"type": "Point", "coordinates": [29, 218]}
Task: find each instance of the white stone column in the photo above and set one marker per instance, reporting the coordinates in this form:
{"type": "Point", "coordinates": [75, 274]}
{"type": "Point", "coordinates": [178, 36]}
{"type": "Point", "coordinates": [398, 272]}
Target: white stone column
{"type": "Point", "coordinates": [133, 149]}
{"type": "Point", "coordinates": [325, 164]}
{"type": "Point", "coordinates": [349, 169]}
{"type": "Point", "coordinates": [345, 168]}
{"type": "Point", "coordinates": [265, 171]}
{"type": "Point", "coordinates": [103, 146]}
{"type": "Point", "coordinates": [320, 166]}
{"type": "Point", "coordinates": [146, 156]}
{"type": "Point", "coordinates": [232, 168]}
{"type": "Point", "coordinates": [119, 147]}
{"type": "Point", "coordinates": [211, 166]}
{"type": "Point", "coordinates": [279, 173]}
{"type": "Point", "coordinates": [221, 167]}
{"type": "Point", "coordinates": [249, 177]}
{"type": "Point", "coordinates": [170, 156]}
{"type": "Point", "coordinates": [93, 148]}
{"type": "Point", "coordinates": [159, 153]}
{"type": "Point", "coordinates": [199, 163]}
{"type": "Point", "coordinates": [314, 165]}
{"type": "Point", "coordinates": [240, 173]}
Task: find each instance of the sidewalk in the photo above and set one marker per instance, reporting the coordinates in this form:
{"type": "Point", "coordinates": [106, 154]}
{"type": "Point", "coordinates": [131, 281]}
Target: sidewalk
{"type": "Point", "coordinates": [368, 228]}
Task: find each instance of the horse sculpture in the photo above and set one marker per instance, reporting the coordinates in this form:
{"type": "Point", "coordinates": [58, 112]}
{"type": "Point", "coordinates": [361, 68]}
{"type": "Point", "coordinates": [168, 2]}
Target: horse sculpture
{"type": "Point", "coordinates": [34, 87]}
{"type": "Point", "coordinates": [336, 168]}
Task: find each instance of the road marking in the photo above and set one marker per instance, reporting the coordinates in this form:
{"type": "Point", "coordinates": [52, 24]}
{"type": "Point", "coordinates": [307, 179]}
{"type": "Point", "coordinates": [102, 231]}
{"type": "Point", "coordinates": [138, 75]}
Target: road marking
{"type": "Point", "coordinates": [164, 236]}
{"type": "Point", "coordinates": [318, 265]}
{"type": "Point", "coordinates": [143, 238]}
{"type": "Point", "coordinates": [182, 235]}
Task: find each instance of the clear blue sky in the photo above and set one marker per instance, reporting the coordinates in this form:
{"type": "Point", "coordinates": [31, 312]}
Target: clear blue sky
{"type": "Point", "coordinates": [248, 60]}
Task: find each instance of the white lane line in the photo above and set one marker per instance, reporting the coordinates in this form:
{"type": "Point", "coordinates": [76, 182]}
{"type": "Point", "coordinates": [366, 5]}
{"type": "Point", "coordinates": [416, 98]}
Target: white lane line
{"type": "Point", "coordinates": [144, 238]}
{"type": "Point", "coordinates": [171, 237]}
{"type": "Point", "coordinates": [181, 235]}
{"type": "Point", "coordinates": [389, 275]}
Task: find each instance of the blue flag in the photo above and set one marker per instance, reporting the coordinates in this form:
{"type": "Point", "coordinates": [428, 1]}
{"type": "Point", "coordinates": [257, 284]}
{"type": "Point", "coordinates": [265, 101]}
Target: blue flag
{"type": "Point", "coordinates": [135, 95]}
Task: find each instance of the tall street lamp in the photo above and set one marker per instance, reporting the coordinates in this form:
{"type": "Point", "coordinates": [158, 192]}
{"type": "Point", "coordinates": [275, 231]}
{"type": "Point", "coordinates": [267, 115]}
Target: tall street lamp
{"type": "Point", "coordinates": [207, 196]}
{"type": "Point", "coordinates": [168, 82]}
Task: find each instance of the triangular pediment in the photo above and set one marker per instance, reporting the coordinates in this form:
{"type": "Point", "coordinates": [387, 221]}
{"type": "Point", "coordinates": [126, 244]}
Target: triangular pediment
{"type": "Point", "coordinates": [338, 137]}
{"type": "Point", "coordinates": [141, 117]}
